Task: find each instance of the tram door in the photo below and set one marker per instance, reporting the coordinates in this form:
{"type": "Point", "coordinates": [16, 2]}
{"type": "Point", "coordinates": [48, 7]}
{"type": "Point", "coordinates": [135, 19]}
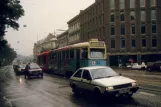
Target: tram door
{"type": "Point", "coordinates": [77, 58]}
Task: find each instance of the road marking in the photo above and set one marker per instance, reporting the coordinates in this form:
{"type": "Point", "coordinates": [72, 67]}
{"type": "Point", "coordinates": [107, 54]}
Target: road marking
{"type": "Point", "coordinates": [149, 94]}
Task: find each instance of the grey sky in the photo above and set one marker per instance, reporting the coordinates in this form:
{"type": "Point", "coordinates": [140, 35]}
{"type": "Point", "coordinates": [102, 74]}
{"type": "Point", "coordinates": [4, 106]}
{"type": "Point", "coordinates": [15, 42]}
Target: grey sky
{"type": "Point", "coordinates": [43, 17]}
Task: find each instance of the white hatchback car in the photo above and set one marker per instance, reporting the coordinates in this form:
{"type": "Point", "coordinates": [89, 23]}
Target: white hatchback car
{"type": "Point", "coordinates": [102, 80]}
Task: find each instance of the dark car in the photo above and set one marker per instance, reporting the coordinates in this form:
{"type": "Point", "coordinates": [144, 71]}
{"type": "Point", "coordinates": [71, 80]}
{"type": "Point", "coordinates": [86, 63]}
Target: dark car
{"type": "Point", "coordinates": [156, 66]}
{"type": "Point", "coordinates": [19, 69]}
{"type": "Point", "coordinates": [33, 69]}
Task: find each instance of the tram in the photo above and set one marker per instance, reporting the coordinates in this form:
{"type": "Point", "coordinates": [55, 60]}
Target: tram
{"type": "Point", "coordinates": [66, 60]}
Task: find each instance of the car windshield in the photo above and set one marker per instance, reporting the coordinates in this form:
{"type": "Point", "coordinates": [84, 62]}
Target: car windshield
{"type": "Point", "coordinates": [22, 66]}
{"type": "Point", "coordinates": [103, 73]}
{"type": "Point", "coordinates": [34, 66]}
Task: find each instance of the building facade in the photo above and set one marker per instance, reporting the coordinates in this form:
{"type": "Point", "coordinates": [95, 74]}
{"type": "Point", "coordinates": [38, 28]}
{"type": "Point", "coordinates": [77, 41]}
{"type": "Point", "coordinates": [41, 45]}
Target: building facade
{"type": "Point", "coordinates": [130, 28]}
{"type": "Point", "coordinates": [44, 45]}
{"type": "Point", "coordinates": [62, 39]}
{"type": "Point", "coordinates": [74, 30]}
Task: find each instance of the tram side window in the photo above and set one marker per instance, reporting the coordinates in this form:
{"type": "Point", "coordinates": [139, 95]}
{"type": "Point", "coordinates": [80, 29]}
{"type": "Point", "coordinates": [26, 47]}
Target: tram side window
{"type": "Point", "coordinates": [66, 54]}
{"type": "Point", "coordinates": [63, 55]}
{"type": "Point", "coordinates": [44, 59]}
{"type": "Point", "coordinates": [84, 53]}
{"type": "Point", "coordinates": [71, 54]}
{"type": "Point", "coordinates": [59, 56]}
{"type": "Point", "coordinates": [54, 55]}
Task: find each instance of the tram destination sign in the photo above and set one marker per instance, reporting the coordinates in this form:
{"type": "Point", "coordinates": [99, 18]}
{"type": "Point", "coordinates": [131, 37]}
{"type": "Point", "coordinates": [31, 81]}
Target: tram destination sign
{"type": "Point", "coordinates": [97, 44]}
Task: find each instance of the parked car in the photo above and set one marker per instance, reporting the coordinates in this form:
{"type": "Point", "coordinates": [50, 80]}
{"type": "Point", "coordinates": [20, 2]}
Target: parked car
{"type": "Point", "coordinates": [33, 69]}
{"type": "Point", "coordinates": [155, 66]}
{"type": "Point", "coordinates": [136, 66]}
{"type": "Point", "coordinates": [19, 69]}
{"type": "Point", "coordinates": [102, 81]}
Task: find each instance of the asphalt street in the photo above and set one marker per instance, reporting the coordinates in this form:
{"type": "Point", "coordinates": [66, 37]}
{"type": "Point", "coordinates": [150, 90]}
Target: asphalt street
{"type": "Point", "coordinates": [147, 80]}
{"type": "Point", "coordinates": [54, 91]}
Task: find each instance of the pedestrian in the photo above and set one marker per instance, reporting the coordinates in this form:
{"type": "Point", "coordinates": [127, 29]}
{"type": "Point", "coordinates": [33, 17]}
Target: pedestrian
{"type": "Point", "coordinates": [26, 69]}
{"type": "Point", "coordinates": [143, 66]}
{"type": "Point", "coordinates": [120, 64]}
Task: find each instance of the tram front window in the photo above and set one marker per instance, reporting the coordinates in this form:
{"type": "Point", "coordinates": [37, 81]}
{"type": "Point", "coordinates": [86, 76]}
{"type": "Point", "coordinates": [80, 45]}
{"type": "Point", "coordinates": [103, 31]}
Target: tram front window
{"type": "Point", "coordinates": [97, 53]}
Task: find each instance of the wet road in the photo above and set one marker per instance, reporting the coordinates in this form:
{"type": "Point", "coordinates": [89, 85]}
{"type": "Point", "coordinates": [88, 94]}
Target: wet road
{"type": "Point", "coordinates": [54, 91]}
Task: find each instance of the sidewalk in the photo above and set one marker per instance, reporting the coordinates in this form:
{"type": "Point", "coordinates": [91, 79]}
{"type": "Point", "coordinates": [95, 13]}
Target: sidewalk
{"type": "Point", "coordinates": [128, 70]}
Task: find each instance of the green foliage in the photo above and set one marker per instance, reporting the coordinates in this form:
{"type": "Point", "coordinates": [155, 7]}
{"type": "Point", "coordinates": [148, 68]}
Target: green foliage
{"type": "Point", "coordinates": [10, 12]}
{"type": "Point", "coordinates": [7, 54]}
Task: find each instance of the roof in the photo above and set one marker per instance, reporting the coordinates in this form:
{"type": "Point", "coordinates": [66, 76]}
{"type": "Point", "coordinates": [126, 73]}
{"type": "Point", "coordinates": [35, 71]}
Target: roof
{"type": "Point", "coordinates": [94, 67]}
{"type": "Point", "coordinates": [78, 45]}
{"type": "Point", "coordinates": [73, 19]}
{"type": "Point", "coordinates": [44, 53]}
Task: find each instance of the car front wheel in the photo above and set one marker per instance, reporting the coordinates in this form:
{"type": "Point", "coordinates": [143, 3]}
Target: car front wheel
{"type": "Point", "coordinates": [75, 90]}
{"type": "Point", "coordinates": [129, 95]}
{"type": "Point", "coordinates": [97, 93]}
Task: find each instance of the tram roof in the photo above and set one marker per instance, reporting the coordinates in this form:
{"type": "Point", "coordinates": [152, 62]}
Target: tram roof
{"type": "Point", "coordinates": [44, 53]}
{"type": "Point", "coordinates": [78, 45]}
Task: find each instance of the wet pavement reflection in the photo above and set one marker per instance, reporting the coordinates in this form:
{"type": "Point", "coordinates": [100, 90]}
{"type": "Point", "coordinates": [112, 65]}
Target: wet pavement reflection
{"type": "Point", "coordinates": [54, 91]}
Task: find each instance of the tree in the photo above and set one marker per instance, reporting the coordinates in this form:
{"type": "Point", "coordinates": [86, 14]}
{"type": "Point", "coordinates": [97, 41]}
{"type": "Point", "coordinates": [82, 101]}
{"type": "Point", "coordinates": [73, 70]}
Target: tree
{"type": "Point", "coordinates": [7, 55]}
{"type": "Point", "coordinates": [10, 12]}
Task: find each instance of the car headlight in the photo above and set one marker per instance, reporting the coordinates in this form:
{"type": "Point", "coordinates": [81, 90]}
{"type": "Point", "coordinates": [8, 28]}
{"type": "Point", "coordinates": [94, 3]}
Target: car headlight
{"type": "Point", "coordinates": [109, 88]}
{"type": "Point", "coordinates": [134, 84]}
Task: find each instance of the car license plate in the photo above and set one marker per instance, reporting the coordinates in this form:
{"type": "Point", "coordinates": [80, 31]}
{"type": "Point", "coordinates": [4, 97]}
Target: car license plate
{"type": "Point", "coordinates": [124, 91]}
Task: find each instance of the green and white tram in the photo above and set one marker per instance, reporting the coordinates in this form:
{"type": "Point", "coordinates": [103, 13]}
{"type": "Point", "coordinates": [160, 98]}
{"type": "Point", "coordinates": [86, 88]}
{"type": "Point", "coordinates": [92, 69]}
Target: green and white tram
{"type": "Point", "coordinates": [68, 59]}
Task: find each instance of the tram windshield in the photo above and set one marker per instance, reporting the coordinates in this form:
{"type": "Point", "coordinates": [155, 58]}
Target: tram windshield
{"type": "Point", "coordinates": [97, 53]}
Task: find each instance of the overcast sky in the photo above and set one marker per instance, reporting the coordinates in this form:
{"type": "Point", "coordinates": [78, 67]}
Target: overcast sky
{"type": "Point", "coordinates": [43, 17]}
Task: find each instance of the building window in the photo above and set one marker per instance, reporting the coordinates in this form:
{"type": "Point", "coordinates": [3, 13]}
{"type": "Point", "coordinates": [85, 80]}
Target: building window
{"type": "Point", "coordinates": [132, 3]}
{"type": "Point", "coordinates": [153, 14]}
{"type": "Point", "coordinates": [112, 17]}
{"type": "Point", "coordinates": [112, 4]}
{"type": "Point", "coordinates": [122, 29]}
{"type": "Point", "coordinates": [122, 4]}
{"type": "Point", "coordinates": [143, 29]}
{"type": "Point", "coordinates": [132, 29]}
{"type": "Point", "coordinates": [143, 16]}
{"type": "Point", "coordinates": [132, 15]}
{"type": "Point", "coordinates": [122, 17]}
{"type": "Point", "coordinates": [143, 42]}
{"type": "Point", "coordinates": [154, 28]}
{"type": "Point", "coordinates": [154, 42]}
{"type": "Point", "coordinates": [153, 2]}
{"type": "Point", "coordinates": [112, 30]}
{"type": "Point", "coordinates": [142, 3]}
{"type": "Point", "coordinates": [112, 43]}
{"type": "Point", "coordinates": [122, 42]}
{"type": "Point", "coordinates": [133, 43]}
